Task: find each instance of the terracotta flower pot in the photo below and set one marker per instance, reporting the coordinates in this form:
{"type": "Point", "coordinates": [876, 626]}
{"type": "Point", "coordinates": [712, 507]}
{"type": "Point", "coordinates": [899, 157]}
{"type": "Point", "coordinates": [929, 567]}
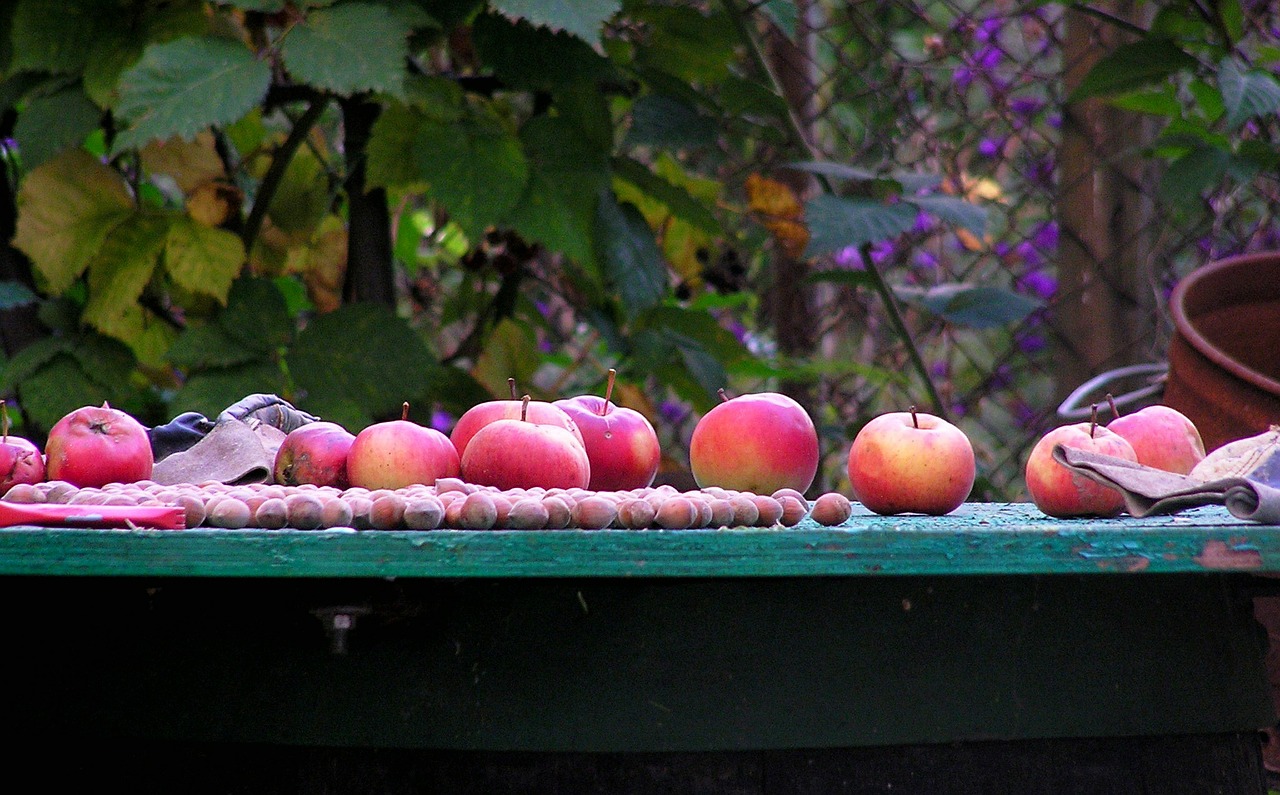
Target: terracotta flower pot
{"type": "Point", "coordinates": [1224, 358]}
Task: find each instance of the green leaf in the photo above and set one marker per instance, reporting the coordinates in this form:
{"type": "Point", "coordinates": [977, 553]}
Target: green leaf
{"type": "Point", "coordinates": [510, 351]}
{"type": "Point", "coordinates": [359, 355]}
{"type": "Point", "coordinates": [631, 261]}
{"type": "Point", "coordinates": [183, 86]}
{"type": "Point", "coordinates": [476, 169]}
{"type": "Point", "coordinates": [52, 124]}
{"type": "Point", "coordinates": [663, 121]}
{"type": "Point", "coordinates": [1132, 66]}
{"type": "Point", "coordinates": [209, 346]}
{"type": "Point", "coordinates": [58, 388]}
{"type": "Point", "coordinates": [1246, 93]}
{"type": "Point", "coordinates": [954, 210]}
{"type": "Point", "coordinates": [118, 48]}
{"type": "Point", "coordinates": [687, 44]}
{"type": "Point", "coordinates": [699, 326]}
{"type": "Point", "coordinates": [1187, 178]}
{"type": "Point", "coordinates": [676, 198]}
{"type": "Point", "coordinates": [211, 391]}
{"type": "Point", "coordinates": [349, 48]}
{"type": "Point", "coordinates": [122, 269]}
{"type": "Point", "coordinates": [203, 259]}
{"type": "Point", "coordinates": [1160, 101]}
{"type": "Point", "coordinates": [256, 316]}
{"type": "Point", "coordinates": [566, 175]}
{"type": "Point", "coordinates": [66, 209]}
{"type": "Point", "coordinates": [908, 182]}
{"type": "Point", "coordinates": [28, 361]}
{"type": "Point", "coordinates": [969, 305]}
{"type": "Point", "coordinates": [57, 35]}
{"type": "Point", "coordinates": [390, 151]}
{"type": "Point", "coordinates": [582, 18]}
{"type": "Point", "coordinates": [535, 59]}
{"type": "Point", "coordinates": [835, 222]}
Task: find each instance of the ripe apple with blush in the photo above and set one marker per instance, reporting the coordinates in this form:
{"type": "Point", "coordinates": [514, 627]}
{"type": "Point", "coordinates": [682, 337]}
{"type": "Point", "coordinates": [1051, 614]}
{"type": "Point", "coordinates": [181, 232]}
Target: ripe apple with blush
{"type": "Point", "coordinates": [20, 459]}
{"type": "Point", "coordinates": [911, 462]}
{"type": "Point", "coordinates": [1059, 492]}
{"type": "Point", "coordinates": [621, 443]}
{"type": "Point", "coordinates": [537, 411]}
{"type": "Point", "coordinates": [1161, 437]}
{"type": "Point", "coordinates": [314, 453]}
{"type": "Point", "coordinates": [96, 445]}
{"type": "Point", "coordinates": [758, 442]}
{"type": "Point", "coordinates": [522, 454]}
{"type": "Point", "coordinates": [398, 453]}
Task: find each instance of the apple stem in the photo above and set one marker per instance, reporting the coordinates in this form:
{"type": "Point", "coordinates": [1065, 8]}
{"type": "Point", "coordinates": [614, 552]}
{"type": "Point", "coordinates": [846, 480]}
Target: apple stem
{"type": "Point", "coordinates": [1093, 419]}
{"type": "Point", "coordinates": [1115, 411]}
{"type": "Point", "coordinates": [4, 420]}
{"type": "Point", "coordinates": [723, 397]}
{"type": "Point", "coordinates": [608, 391]}
{"type": "Point", "coordinates": [404, 410]}
{"type": "Point", "coordinates": [524, 409]}
{"type": "Point", "coordinates": [914, 419]}
{"type": "Point", "coordinates": [511, 384]}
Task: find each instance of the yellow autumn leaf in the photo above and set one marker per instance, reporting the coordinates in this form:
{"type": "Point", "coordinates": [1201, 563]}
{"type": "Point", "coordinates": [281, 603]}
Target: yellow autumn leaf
{"type": "Point", "coordinates": [189, 163]}
{"type": "Point", "coordinates": [780, 211]}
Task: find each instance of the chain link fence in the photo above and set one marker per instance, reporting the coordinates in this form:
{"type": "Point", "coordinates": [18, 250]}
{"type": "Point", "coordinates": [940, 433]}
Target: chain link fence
{"type": "Point", "coordinates": [976, 92]}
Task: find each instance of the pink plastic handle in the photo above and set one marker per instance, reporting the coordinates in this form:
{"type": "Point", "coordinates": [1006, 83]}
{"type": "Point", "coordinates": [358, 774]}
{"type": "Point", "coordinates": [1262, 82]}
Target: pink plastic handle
{"type": "Point", "coordinates": [162, 517]}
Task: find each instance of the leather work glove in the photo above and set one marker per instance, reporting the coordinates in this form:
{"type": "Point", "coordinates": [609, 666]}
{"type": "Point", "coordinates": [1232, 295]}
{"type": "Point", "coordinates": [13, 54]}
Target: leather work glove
{"type": "Point", "coordinates": [183, 431]}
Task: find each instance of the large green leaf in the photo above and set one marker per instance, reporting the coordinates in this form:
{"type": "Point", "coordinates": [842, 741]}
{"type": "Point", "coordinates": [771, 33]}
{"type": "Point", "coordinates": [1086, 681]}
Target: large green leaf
{"type": "Point", "coordinates": [1188, 177]}
{"type": "Point", "coordinates": [121, 270]}
{"type": "Point", "coordinates": [1247, 93]}
{"type": "Point", "coordinates": [57, 389]}
{"type": "Point", "coordinates": [971, 305]}
{"type": "Point", "coordinates": [684, 42]}
{"type": "Point", "coordinates": [58, 35]}
{"type": "Point", "coordinates": [390, 151]}
{"type": "Point", "coordinates": [676, 198]}
{"type": "Point", "coordinates": [66, 209]}
{"type": "Point", "coordinates": [663, 121]}
{"type": "Point", "coordinates": [836, 222]}
{"type": "Point", "coordinates": [629, 256]}
{"type": "Point", "coordinates": [529, 58]}
{"type": "Point", "coordinates": [208, 346]}
{"type": "Point", "coordinates": [566, 175]}
{"type": "Point", "coordinates": [349, 48]}
{"type": "Point", "coordinates": [360, 356]}
{"type": "Point", "coordinates": [117, 48]}
{"type": "Point", "coordinates": [1132, 66]}
{"type": "Point", "coordinates": [52, 124]}
{"type": "Point", "coordinates": [186, 85]}
{"type": "Point", "coordinates": [211, 391]}
{"type": "Point", "coordinates": [476, 168]}
{"type": "Point", "coordinates": [203, 259]}
{"type": "Point", "coordinates": [954, 210]}
{"type": "Point", "coordinates": [256, 315]}
{"type": "Point", "coordinates": [582, 18]}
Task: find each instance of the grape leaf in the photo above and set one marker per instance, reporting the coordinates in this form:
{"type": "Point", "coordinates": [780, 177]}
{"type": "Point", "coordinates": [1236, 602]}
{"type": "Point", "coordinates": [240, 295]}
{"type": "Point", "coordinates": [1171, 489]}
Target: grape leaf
{"type": "Point", "coordinates": [203, 259]}
{"type": "Point", "coordinates": [836, 222]}
{"type": "Point", "coordinates": [206, 346]}
{"type": "Point", "coordinates": [361, 355]}
{"type": "Point", "coordinates": [211, 391]}
{"type": "Point", "coordinates": [57, 35]}
{"type": "Point", "coordinates": [530, 58]}
{"type": "Point", "coordinates": [558, 208]}
{"type": "Point", "coordinates": [582, 18]}
{"type": "Point", "coordinates": [476, 169]}
{"type": "Point", "coordinates": [67, 207]}
{"type": "Point", "coordinates": [349, 48]}
{"type": "Point", "coordinates": [183, 86]}
{"type": "Point", "coordinates": [52, 124]}
{"type": "Point", "coordinates": [389, 152]}
{"type": "Point", "coordinates": [629, 255]}
{"type": "Point", "coordinates": [1246, 92]}
{"type": "Point", "coordinates": [256, 316]}
{"type": "Point", "coordinates": [117, 48]}
{"type": "Point", "coordinates": [121, 270]}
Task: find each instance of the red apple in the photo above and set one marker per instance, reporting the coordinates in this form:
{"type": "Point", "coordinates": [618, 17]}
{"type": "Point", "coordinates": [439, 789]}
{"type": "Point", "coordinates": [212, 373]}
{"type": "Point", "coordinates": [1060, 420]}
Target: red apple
{"type": "Point", "coordinates": [621, 443]}
{"type": "Point", "coordinates": [1060, 492]}
{"type": "Point", "coordinates": [521, 454]}
{"type": "Point", "coordinates": [314, 453]}
{"type": "Point", "coordinates": [758, 442]}
{"type": "Point", "coordinates": [399, 453]}
{"type": "Point", "coordinates": [481, 414]}
{"type": "Point", "coordinates": [20, 459]}
{"type": "Point", "coordinates": [1162, 437]}
{"type": "Point", "coordinates": [910, 461]}
{"type": "Point", "coordinates": [96, 445]}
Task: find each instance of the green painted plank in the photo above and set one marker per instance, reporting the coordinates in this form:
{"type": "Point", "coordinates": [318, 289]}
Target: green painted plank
{"type": "Point", "coordinates": [976, 539]}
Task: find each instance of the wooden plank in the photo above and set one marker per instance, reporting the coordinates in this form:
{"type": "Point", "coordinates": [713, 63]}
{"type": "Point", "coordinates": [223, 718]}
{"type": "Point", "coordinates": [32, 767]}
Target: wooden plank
{"type": "Point", "coordinates": [978, 539]}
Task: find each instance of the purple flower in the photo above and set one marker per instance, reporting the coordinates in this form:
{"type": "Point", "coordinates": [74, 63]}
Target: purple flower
{"type": "Point", "coordinates": [963, 77]}
{"type": "Point", "coordinates": [940, 369]}
{"type": "Point", "coordinates": [673, 412]}
{"type": "Point", "coordinates": [1045, 236]}
{"type": "Point", "coordinates": [1029, 254]}
{"type": "Point", "coordinates": [990, 147]}
{"type": "Point", "coordinates": [848, 258]}
{"type": "Point", "coordinates": [1022, 410]}
{"type": "Point", "coordinates": [442, 421]}
{"type": "Point", "coordinates": [987, 58]}
{"type": "Point", "coordinates": [1025, 106]}
{"type": "Point", "coordinates": [989, 29]}
{"type": "Point", "coordinates": [1031, 343]}
{"type": "Point", "coordinates": [924, 223]}
{"type": "Point", "coordinates": [881, 252]}
{"type": "Point", "coordinates": [1039, 284]}
{"type": "Point", "coordinates": [1001, 377]}
{"type": "Point", "coordinates": [1054, 120]}
{"type": "Point", "coordinates": [926, 260]}
{"type": "Point", "coordinates": [1001, 249]}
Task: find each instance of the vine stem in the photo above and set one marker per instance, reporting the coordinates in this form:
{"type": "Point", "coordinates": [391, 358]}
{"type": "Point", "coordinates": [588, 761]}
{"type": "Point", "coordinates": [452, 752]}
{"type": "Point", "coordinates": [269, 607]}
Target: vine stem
{"type": "Point", "coordinates": [795, 129]}
{"type": "Point", "coordinates": [275, 173]}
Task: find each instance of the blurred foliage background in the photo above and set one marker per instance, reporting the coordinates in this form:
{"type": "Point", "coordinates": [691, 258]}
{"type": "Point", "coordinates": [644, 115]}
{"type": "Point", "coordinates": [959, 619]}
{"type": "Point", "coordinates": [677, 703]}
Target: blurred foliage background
{"type": "Point", "coordinates": [971, 207]}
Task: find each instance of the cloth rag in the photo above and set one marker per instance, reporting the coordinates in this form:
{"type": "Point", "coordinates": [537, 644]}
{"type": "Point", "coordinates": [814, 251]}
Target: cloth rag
{"type": "Point", "coordinates": [1244, 478]}
{"type": "Point", "coordinates": [234, 452]}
